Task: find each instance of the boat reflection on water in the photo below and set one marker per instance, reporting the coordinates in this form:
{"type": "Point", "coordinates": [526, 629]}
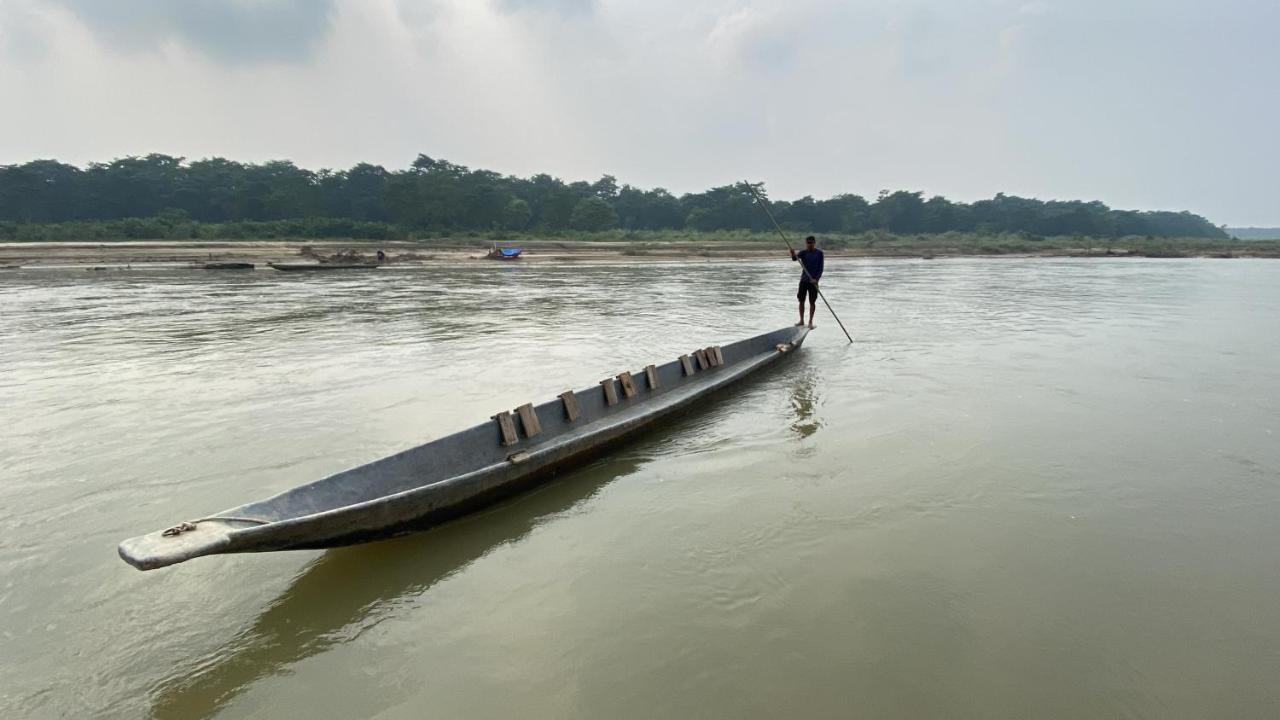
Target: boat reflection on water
{"type": "Point", "coordinates": [348, 590]}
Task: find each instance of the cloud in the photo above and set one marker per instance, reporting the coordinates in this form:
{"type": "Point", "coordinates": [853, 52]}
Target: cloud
{"type": "Point", "coordinates": [1034, 8]}
{"type": "Point", "coordinates": [24, 30]}
{"type": "Point", "coordinates": [760, 38]}
{"type": "Point", "coordinates": [230, 31]}
{"type": "Point", "coordinates": [419, 13]}
{"type": "Point", "coordinates": [561, 7]}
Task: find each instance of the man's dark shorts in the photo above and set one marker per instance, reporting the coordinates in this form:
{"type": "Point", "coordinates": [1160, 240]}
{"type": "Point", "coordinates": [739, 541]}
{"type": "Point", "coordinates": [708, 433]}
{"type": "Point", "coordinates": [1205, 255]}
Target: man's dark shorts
{"type": "Point", "coordinates": [808, 288]}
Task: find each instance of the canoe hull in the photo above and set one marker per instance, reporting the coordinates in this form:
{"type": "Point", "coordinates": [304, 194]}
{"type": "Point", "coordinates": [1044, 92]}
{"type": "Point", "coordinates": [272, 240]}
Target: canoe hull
{"type": "Point", "coordinates": [413, 500]}
{"type": "Point", "coordinates": [228, 266]}
{"type": "Point", "coordinates": [309, 267]}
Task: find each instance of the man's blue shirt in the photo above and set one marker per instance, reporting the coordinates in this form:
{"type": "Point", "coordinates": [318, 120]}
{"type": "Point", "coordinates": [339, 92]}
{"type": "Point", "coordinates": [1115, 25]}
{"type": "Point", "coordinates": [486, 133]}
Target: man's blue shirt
{"type": "Point", "coordinates": [812, 261]}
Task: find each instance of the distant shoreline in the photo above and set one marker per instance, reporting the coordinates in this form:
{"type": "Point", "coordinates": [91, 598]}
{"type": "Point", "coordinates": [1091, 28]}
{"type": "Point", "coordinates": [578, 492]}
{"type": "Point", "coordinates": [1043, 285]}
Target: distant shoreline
{"type": "Point", "coordinates": [184, 253]}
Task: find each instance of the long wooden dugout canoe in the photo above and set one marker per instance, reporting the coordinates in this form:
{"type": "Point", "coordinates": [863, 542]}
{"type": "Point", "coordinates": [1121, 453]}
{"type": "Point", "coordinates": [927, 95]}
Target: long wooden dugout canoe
{"type": "Point", "coordinates": [456, 474]}
{"type": "Point", "coordinates": [309, 267]}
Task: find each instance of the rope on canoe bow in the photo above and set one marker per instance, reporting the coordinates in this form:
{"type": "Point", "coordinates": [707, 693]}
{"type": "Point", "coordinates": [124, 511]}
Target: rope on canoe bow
{"type": "Point", "coordinates": [191, 524]}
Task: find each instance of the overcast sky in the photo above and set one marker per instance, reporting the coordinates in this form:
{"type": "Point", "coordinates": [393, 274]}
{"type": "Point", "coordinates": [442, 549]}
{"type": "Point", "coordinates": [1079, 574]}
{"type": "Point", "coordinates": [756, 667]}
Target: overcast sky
{"type": "Point", "coordinates": [1148, 104]}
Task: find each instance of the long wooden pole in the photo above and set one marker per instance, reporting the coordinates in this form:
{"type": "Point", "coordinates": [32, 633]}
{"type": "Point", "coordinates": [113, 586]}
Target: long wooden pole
{"type": "Point", "coordinates": [765, 205]}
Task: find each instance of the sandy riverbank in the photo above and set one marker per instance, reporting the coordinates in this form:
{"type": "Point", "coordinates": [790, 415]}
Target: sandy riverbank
{"type": "Point", "coordinates": [162, 253]}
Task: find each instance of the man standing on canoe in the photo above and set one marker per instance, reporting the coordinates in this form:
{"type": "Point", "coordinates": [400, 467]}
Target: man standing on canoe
{"type": "Point", "coordinates": [811, 271]}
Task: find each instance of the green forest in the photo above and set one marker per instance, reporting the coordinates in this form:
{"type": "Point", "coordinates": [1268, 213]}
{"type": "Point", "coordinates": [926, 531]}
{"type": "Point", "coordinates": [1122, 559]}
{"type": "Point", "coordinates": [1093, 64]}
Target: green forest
{"type": "Point", "coordinates": [163, 197]}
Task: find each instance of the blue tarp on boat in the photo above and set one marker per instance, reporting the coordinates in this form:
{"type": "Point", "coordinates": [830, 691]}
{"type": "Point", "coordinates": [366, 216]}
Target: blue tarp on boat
{"type": "Point", "coordinates": [510, 252]}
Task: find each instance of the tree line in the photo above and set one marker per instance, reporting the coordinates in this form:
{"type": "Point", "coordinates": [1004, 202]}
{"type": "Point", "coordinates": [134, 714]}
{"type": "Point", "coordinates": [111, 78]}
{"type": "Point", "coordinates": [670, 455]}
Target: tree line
{"type": "Point", "coordinates": [434, 196]}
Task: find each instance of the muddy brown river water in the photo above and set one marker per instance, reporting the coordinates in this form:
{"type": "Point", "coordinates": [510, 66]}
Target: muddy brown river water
{"type": "Point", "coordinates": [1031, 488]}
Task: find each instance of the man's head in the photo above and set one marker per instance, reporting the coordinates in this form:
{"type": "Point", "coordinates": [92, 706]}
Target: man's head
{"type": "Point", "coordinates": [810, 243]}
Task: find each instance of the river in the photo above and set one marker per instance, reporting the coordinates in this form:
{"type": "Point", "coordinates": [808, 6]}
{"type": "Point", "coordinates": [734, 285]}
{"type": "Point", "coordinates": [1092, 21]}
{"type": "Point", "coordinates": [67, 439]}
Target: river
{"type": "Point", "coordinates": [1030, 488]}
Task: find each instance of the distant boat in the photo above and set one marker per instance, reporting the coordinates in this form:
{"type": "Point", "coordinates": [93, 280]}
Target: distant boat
{"type": "Point", "coordinates": [292, 267]}
{"type": "Point", "coordinates": [228, 266]}
{"type": "Point", "coordinates": [459, 473]}
{"type": "Point", "coordinates": [498, 253]}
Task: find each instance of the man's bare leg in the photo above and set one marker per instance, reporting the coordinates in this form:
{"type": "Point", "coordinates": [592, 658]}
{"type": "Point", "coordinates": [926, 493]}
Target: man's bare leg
{"type": "Point", "coordinates": [801, 314]}
{"type": "Point", "coordinates": [812, 308]}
